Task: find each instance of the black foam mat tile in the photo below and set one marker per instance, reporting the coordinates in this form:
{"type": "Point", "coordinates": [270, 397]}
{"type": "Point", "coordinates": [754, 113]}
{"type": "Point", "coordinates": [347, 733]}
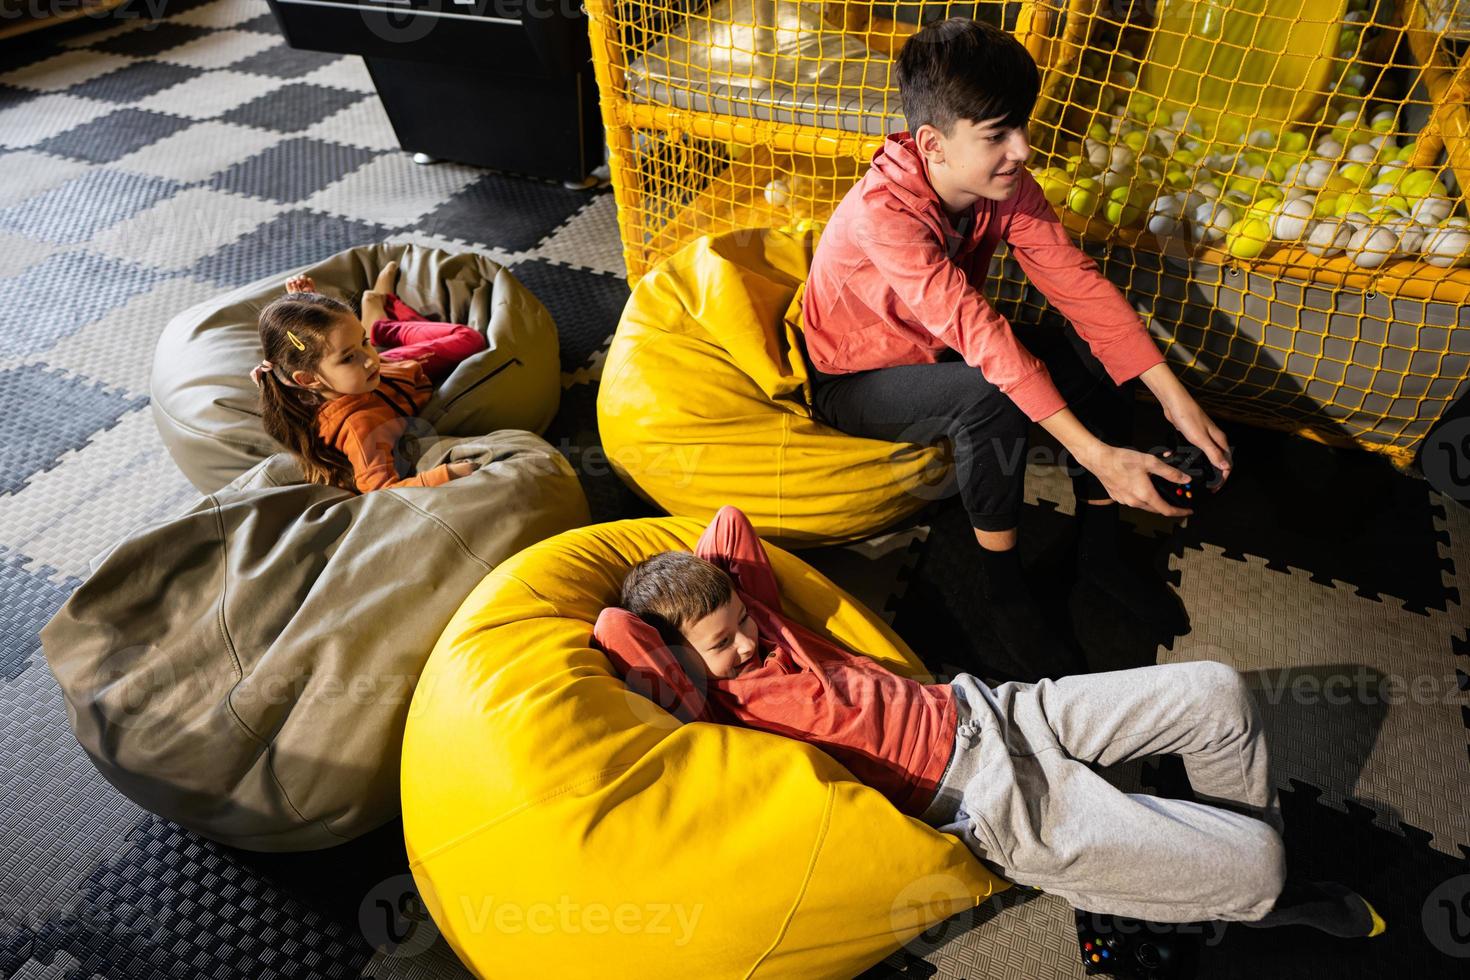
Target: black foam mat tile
{"type": "Point", "coordinates": [292, 170]}
{"type": "Point", "coordinates": [292, 108]}
{"type": "Point", "coordinates": [585, 305]}
{"type": "Point", "coordinates": [150, 39]}
{"type": "Point", "coordinates": [114, 136]}
{"type": "Point", "coordinates": [134, 82]}
{"type": "Point", "coordinates": [505, 212]}
{"type": "Point", "coordinates": [1334, 513]}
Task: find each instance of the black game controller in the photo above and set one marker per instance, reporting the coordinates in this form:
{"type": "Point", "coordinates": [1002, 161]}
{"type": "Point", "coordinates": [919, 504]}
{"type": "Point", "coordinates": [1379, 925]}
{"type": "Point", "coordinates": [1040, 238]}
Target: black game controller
{"type": "Point", "coordinates": [1133, 950]}
{"type": "Point", "coordinates": [1204, 479]}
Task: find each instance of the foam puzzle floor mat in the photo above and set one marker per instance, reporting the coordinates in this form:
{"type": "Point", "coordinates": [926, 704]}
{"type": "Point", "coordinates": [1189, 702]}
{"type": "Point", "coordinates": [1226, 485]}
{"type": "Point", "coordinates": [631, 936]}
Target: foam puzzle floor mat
{"type": "Point", "coordinates": [1332, 582]}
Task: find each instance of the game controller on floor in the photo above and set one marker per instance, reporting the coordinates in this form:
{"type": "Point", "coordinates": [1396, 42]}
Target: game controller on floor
{"type": "Point", "coordinates": [1132, 950]}
{"type": "Point", "coordinates": [1204, 479]}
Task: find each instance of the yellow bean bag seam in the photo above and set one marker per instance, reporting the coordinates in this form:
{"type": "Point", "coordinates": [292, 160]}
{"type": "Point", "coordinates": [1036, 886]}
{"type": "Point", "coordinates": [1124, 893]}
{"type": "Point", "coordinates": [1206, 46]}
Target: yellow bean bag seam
{"type": "Point", "coordinates": [811, 867]}
{"type": "Point", "coordinates": [562, 790]}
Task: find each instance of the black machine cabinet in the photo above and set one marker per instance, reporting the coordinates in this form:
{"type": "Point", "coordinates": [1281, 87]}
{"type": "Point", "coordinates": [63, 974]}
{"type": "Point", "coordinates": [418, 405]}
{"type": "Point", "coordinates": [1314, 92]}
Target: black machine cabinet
{"type": "Point", "coordinates": [498, 83]}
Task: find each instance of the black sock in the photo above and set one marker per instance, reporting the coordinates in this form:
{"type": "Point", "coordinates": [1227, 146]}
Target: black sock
{"type": "Point", "coordinates": [1335, 909]}
{"type": "Point", "coordinates": [1099, 562]}
{"type": "Point", "coordinates": [1034, 648]}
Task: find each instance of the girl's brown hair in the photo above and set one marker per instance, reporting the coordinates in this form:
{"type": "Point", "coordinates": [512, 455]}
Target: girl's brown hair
{"type": "Point", "coordinates": [288, 410]}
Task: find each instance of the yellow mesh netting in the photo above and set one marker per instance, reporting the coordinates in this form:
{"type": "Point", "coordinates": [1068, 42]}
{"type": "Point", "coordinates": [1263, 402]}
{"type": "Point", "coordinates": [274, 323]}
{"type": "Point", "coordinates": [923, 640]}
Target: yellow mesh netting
{"type": "Point", "coordinates": [1277, 186]}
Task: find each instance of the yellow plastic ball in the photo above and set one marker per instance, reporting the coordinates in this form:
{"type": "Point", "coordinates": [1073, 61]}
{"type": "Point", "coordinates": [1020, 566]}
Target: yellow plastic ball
{"type": "Point", "coordinates": [1293, 142]}
{"type": "Point", "coordinates": [1248, 237]}
{"type": "Point", "coordinates": [1084, 197]}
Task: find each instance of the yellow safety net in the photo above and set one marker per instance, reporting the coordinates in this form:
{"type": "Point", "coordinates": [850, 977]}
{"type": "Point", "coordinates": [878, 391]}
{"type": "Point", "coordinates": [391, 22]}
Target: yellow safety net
{"type": "Point", "coordinates": [1277, 185]}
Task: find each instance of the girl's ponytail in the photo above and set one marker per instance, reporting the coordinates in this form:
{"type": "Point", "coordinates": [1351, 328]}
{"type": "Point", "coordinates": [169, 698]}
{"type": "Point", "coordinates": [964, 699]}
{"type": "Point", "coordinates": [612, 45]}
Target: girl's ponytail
{"type": "Point", "coordinates": [293, 336]}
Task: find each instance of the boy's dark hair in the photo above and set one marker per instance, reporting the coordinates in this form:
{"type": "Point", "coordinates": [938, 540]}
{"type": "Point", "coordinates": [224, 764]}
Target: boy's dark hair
{"type": "Point", "coordinates": [966, 69]}
{"type": "Point", "coordinates": [673, 589]}
{"type": "Point", "coordinates": [287, 411]}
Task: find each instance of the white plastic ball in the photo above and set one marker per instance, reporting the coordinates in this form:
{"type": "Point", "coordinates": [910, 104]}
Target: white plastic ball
{"type": "Point", "coordinates": [1291, 219]}
{"type": "Point", "coordinates": [1212, 220]}
{"type": "Point", "coordinates": [1372, 245]}
{"type": "Point", "coordinates": [1431, 210]}
{"type": "Point", "coordinates": [1447, 246]}
{"type": "Point", "coordinates": [777, 193]}
{"type": "Point", "coordinates": [1328, 238]}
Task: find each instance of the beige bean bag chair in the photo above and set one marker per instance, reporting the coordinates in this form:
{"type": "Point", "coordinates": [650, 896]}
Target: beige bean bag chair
{"type": "Point", "coordinates": [245, 669]}
{"type": "Point", "coordinates": [206, 406]}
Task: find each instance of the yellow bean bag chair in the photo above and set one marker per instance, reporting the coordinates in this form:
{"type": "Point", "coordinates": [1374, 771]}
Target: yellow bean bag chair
{"type": "Point", "coordinates": [556, 822]}
{"type": "Point", "coordinates": [705, 401]}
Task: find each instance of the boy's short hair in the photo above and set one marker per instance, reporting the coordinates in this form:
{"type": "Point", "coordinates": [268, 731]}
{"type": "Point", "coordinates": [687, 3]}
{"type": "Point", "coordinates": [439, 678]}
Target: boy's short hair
{"type": "Point", "coordinates": [674, 589]}
{"type": "Point", "coordinates": [966, 69]}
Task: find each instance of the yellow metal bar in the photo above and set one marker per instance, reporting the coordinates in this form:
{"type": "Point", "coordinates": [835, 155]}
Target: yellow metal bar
{"type": "Point", "coordinates": [608, 66]}
{"type": "Point", "coordinates": [787, 137]}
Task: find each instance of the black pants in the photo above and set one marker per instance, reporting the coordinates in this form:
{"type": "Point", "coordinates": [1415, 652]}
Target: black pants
{"type": "Point", "coordinates": [924, 403]}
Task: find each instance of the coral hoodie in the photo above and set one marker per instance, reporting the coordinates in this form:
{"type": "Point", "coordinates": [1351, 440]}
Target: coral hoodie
{"type": "Point", "coordinates": [892, 283]}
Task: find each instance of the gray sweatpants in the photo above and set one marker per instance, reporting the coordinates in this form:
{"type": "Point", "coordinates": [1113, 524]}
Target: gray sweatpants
{"type": "Point", "coordinates": [1021, 795]}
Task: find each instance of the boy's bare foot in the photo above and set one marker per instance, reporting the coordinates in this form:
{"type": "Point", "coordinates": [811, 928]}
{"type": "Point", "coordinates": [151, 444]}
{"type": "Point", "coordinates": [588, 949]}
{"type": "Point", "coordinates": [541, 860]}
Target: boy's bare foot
{"type": "Point", "coordinates": [300, 284]}
{"type": "Point", "coordinates": [387, 279]}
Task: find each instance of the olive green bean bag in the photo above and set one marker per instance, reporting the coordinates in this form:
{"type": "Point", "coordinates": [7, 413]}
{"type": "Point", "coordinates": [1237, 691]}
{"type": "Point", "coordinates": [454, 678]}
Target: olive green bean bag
{"type": "Point", "coordinates": [245, 669]}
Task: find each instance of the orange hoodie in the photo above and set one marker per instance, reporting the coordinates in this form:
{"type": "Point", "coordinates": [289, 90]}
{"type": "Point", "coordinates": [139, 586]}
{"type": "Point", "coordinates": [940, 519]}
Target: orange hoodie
{"type": "Point", "coordinates": [366, 427]}
{"type": "Point", "coordinates": [893, 283]}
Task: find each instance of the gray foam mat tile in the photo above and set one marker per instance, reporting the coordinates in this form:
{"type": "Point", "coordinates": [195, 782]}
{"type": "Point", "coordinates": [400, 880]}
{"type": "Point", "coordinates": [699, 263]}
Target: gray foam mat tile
{"type": "Point", "coordinates": [1015, 935]}
{"type": "Point", "coordinates": [78, 209]}
{"type": "Point", "coordinates": [153, 39]}
{"type": "Point", "coordinates": [44, 305]}
{"type": "Point", "coordinates": [1359, 698]}
{"type": "Point", "coordinates": [27, 602]}
{"type": "Point", "coordinates": [283, 62]}
{"type": "Point", "coordinates": [69, 411]}
{"type": "Point", "coordinates": [69, 516]}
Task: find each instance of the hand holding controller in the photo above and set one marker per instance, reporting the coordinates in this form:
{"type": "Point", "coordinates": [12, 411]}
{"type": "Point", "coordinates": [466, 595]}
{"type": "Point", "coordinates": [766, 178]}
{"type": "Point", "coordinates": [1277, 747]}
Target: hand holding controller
{"type": "Point", "coordinates": [1204, 479]}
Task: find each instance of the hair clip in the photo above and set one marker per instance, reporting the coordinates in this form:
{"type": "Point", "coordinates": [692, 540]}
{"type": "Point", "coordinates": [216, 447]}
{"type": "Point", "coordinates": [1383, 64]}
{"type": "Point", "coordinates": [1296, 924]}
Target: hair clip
{"type": "Point", "coordinates": [295, 340]}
